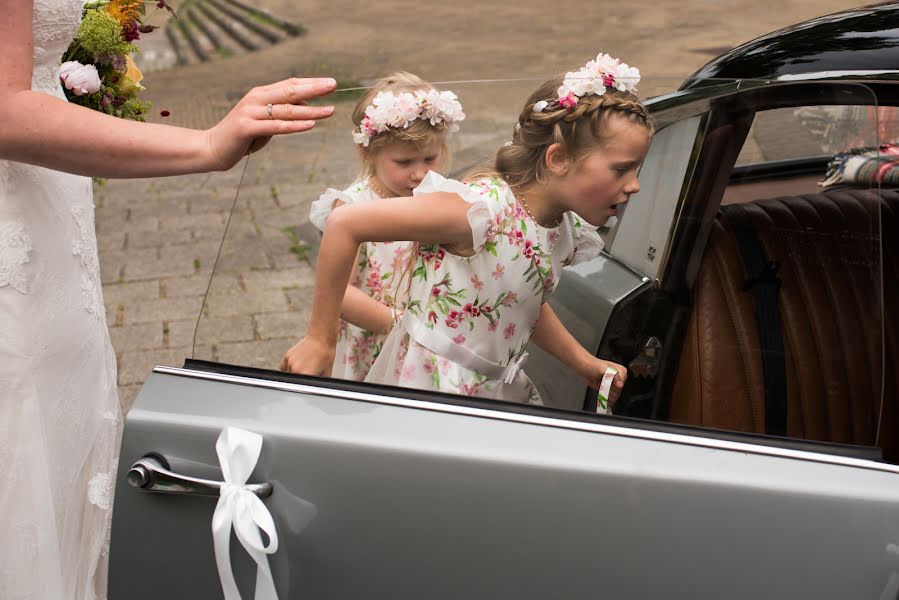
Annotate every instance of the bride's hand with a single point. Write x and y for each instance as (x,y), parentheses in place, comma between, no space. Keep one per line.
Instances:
(309,356)
(251,124)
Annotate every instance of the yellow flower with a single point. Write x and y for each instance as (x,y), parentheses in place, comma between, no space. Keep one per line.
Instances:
(124,11)
(132,72)
(131,79)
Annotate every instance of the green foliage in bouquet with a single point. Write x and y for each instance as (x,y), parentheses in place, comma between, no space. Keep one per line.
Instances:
(98,70)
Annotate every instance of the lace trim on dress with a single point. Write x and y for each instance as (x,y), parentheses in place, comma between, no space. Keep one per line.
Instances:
(91,295)
(107,522)
(53,26)
(15,244)
(99,492)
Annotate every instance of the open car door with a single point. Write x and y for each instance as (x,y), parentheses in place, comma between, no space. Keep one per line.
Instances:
(387,492)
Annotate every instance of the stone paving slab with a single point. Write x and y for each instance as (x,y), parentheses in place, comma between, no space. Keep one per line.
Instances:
(159,238)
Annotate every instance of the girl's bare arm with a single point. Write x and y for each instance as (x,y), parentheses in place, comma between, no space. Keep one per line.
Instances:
(43,130)
(552,336)
(432,218)
(363,311)
(359,308)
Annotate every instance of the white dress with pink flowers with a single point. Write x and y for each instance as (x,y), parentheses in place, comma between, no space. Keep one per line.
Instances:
(469,319)
(382,273)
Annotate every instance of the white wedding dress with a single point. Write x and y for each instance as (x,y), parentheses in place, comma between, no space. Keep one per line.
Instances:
(59,413)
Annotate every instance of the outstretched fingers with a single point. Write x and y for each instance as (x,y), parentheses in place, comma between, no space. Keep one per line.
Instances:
(266,128)
(294,91)
(282,107)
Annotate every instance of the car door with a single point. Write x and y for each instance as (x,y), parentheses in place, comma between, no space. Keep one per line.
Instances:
(379,493)
(386,492)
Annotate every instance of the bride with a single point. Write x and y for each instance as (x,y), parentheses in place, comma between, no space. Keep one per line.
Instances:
(59,415)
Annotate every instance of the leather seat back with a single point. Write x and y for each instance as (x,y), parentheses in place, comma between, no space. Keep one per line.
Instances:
(836,334)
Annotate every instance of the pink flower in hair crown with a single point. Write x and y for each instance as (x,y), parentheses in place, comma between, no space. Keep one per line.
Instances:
(568,101)
(595,77)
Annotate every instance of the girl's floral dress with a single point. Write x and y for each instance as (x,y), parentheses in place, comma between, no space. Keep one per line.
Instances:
(469,319)
(382,272)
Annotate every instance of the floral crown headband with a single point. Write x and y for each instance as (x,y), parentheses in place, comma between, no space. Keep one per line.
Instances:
(401,110)
(593,79)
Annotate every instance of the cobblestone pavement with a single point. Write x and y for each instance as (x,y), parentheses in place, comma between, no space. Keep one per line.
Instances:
(159,238)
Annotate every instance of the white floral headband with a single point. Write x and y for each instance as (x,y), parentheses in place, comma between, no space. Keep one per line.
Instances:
(593,79)
(401,110)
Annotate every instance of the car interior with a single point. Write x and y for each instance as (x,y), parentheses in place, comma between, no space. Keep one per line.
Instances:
(788,328)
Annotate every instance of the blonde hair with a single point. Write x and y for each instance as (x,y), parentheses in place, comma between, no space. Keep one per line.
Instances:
(420,133)
(577,130)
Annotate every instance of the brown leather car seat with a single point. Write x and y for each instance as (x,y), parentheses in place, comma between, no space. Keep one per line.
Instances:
(836,336)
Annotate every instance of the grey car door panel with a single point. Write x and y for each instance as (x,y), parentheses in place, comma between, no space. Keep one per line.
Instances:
(398,496)
(584,299)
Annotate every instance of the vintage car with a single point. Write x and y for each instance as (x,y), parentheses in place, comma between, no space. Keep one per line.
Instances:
(754,452)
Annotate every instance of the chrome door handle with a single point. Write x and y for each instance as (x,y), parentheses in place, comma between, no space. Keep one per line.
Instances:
(151,474)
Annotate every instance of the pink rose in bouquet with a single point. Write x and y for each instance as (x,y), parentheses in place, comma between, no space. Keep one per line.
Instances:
(79,79)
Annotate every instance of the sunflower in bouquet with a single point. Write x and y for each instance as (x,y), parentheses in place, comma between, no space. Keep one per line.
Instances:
(98,70)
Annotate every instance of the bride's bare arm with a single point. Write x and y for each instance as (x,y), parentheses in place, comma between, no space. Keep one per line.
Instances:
(40,129)
(432,218)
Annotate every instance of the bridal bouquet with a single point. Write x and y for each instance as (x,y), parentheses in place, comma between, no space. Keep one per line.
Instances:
(98,70)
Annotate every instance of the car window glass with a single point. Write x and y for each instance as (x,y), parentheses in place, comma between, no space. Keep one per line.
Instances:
(822,130)
(787,326)
(260,294)
(641,233)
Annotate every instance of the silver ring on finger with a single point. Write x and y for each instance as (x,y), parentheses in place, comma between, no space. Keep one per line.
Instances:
(269,107)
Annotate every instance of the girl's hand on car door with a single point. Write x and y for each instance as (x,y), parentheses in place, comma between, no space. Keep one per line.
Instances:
(595,368)
(309,356)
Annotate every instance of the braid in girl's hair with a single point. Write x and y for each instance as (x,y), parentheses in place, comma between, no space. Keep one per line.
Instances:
(577,129)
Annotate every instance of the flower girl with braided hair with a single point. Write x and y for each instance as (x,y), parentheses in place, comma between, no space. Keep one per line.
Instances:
(491,249)
(402,128)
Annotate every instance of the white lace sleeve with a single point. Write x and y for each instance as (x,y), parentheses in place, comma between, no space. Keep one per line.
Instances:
(479,216)
(321,208)
(586,244)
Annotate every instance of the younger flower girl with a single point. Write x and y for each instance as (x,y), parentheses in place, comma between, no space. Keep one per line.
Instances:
(402,127)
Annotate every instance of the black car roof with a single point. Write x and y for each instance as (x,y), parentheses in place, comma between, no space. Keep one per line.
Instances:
(860,40)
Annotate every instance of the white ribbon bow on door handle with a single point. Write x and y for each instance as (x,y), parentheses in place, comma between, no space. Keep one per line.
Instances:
(238,451)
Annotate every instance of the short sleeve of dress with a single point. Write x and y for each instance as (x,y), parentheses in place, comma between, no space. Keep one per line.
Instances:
(585,242)
(480,217)
(321,208)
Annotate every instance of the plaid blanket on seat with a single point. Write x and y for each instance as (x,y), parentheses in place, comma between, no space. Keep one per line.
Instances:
(877,165)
